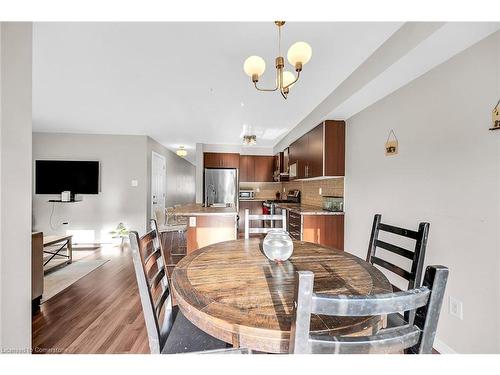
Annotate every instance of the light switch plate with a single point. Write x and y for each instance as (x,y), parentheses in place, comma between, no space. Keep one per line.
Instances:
(456,308)
(134,183)
(320,191)
(192,221)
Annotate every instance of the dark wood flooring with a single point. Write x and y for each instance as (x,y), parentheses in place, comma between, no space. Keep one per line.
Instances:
(100,313)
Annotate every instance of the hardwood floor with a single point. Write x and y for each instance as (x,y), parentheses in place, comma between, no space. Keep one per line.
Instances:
(100,313)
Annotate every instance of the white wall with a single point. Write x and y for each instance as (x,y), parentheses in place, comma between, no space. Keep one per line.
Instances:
(180,176)
(15,190)
(122,159)
(447,173)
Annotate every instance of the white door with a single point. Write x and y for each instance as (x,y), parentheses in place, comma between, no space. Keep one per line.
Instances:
(158,182)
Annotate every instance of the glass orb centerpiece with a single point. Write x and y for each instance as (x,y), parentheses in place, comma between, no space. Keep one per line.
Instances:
(278,245)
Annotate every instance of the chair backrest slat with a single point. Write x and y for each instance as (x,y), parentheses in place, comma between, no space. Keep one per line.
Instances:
(249,218)
(394,340)
(153,285)
(394,249)
(416,337)
(391,267)
(376,304)
(399,231)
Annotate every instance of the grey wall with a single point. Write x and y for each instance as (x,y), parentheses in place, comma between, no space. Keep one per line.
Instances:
(181,183)
(447,172)
(122,159)
(15,187)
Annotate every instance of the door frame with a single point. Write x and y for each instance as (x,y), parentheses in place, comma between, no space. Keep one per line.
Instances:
(153,155)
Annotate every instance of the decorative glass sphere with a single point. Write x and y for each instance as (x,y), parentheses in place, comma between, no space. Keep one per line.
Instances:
(299,52)
(278,245)
(254,65)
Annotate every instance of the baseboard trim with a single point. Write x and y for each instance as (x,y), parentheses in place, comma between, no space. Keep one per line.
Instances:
(442,348)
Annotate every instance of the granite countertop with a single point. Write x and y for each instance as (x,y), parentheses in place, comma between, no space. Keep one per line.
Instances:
(254,200)
(199,210)
(305,209)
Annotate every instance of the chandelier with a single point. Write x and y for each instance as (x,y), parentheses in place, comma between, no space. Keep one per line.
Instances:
(298,55)
(249,140)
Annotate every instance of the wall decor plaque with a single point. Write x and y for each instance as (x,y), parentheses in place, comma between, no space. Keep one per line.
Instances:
(391,145)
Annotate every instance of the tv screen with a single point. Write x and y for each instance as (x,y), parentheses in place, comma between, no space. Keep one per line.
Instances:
(56,176)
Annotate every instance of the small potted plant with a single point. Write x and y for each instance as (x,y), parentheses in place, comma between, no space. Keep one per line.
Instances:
(121,231)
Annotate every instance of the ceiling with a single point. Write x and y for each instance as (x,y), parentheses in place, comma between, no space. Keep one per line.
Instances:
(183,83)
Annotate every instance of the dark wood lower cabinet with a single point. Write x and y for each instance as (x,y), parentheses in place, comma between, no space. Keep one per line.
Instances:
(326,230)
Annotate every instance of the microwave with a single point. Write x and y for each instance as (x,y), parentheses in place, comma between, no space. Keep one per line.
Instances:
(247,194)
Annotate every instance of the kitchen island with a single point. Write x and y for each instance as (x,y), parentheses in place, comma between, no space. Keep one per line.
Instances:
(207,225)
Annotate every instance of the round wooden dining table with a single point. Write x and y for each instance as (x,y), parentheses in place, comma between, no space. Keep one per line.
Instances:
(233,292)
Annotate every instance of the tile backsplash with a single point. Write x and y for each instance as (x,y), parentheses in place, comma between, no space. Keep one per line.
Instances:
(263,190)
(309,189)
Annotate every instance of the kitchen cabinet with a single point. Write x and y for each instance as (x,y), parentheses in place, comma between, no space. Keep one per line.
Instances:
(264,168)
(320,152)
(221,160)
(247,168)
(280,170)
(256,168)
(325,230)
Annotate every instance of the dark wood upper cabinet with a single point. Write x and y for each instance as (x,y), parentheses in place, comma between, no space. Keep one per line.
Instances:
(221,160)
(264,168)
(256,168)
(314,157)
(247,168)
(334,148)
(320,152)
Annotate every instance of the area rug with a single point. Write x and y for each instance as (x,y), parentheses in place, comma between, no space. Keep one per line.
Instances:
(62,278)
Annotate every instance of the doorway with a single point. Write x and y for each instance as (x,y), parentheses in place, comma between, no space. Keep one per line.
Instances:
(158,182)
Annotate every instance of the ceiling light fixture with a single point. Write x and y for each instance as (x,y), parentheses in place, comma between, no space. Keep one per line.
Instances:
(249,140)
(298,55)
(181,152)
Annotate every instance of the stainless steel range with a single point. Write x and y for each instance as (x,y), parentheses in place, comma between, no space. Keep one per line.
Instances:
(270,206)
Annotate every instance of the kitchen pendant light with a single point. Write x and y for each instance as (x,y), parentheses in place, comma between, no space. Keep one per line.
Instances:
(298,55)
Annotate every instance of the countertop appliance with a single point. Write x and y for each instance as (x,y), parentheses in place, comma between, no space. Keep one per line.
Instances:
(247,194)
(221,187)
(332,203)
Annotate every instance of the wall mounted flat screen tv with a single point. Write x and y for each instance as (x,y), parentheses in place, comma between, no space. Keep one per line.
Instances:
(56,176)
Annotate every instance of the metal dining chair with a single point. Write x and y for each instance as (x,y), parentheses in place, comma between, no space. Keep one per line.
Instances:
(414,275)
(415,338)
(249,218)
(168,329)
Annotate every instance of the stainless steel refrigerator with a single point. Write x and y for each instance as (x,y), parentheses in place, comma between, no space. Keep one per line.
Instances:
(221,187)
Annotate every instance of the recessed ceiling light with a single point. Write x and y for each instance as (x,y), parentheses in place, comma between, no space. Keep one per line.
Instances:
(242,104)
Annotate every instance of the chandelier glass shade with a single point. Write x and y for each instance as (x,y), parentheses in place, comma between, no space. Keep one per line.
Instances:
(298,55)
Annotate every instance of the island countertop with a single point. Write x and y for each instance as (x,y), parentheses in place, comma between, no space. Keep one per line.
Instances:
(198,210)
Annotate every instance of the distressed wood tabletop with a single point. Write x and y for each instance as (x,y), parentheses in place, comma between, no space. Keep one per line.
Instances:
(233,292)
